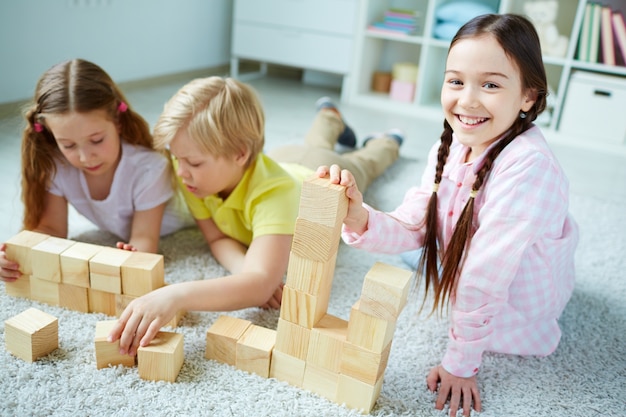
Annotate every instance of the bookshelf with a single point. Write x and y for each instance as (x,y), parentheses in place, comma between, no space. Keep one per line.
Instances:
(376,51)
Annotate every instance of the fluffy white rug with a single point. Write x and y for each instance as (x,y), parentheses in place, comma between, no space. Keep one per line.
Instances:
(586,376)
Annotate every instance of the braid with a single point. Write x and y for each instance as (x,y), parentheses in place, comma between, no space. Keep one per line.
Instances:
(429,257)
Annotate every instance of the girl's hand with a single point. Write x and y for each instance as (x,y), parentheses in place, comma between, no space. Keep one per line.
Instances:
(276,298)
(456,388)
(142,319)
(9,270)
(125,246)
(357,216)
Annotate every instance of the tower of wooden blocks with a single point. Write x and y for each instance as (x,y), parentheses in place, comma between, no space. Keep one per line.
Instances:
(31,334)
(341,360)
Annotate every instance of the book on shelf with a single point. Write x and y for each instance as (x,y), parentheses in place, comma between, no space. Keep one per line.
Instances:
(606,36)
(594,32)
(619,29)
(397,21)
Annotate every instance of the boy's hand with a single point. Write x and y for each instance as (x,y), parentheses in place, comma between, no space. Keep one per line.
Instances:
(9,270)
(276,299)
(455,388)
(142,319)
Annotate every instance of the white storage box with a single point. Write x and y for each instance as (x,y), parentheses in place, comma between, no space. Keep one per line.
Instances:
(595,108)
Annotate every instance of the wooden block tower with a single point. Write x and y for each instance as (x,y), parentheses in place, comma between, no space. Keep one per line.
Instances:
(343,361)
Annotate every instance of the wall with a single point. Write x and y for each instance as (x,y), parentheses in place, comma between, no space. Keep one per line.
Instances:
(130,39)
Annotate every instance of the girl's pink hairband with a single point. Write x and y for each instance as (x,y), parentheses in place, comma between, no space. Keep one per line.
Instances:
(122,107)
(38,127)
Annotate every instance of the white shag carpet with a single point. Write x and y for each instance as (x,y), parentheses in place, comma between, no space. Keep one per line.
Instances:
(586,376)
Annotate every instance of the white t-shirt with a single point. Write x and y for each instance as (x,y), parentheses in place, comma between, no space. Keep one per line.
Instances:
(141,182)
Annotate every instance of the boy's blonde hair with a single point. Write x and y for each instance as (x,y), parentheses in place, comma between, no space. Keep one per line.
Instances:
(222,116)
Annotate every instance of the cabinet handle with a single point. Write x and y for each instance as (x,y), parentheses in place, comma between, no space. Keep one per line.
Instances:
(602,93)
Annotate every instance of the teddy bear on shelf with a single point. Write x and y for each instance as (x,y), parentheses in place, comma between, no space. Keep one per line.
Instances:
(543,14)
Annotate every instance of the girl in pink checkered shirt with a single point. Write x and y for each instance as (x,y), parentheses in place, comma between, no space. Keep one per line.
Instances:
(491,214)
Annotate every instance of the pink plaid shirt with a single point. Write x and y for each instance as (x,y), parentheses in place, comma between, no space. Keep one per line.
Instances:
(519,270)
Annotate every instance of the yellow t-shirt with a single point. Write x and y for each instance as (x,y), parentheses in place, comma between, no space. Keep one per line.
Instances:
(265,202)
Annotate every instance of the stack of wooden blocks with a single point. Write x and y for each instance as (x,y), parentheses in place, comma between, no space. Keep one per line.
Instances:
(81,276)
(343,361)
(88,278)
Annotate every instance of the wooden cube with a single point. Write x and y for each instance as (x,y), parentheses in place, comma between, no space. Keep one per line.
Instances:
(292,339)
(105,269)
(301,308)
(285,367)
(75,263)
(19,288)
(46,258)
(101,302)
(309,276)
(254,350)
(18,249)
(141,273)
(108,353)
(369,332)
(44,291)
(357,394)
(222,337)
(322,202)
(73,297)
(326,343)
(31,334)
(315,241)
(385,291)
(162,359)
(362,364)
(320,381)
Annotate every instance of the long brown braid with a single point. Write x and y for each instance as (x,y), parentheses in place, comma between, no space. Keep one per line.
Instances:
(70,86)
(519,40)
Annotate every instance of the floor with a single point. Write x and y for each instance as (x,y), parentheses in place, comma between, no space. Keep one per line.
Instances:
(290,106)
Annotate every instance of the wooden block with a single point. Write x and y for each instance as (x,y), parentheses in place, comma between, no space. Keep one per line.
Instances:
(73,297)
(322,202)
(75,263)
(101,302)
(358,394)
(105,269)
(292,339)
(385,291)
(369,332)
(362,364)
(18,248)
(321,381)
(31,334)
(162,359)
(285,367)
(315,241)
(44,291)
(141,273)
(18,288)
(326,343)
(309,276)
(108,353)
(46,258)
(254,350)
(222,337)
(302,308)
(122,301)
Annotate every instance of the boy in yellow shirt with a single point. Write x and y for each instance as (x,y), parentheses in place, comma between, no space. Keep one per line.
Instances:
(244,202)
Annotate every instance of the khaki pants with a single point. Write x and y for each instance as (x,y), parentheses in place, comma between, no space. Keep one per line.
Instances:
(366,163)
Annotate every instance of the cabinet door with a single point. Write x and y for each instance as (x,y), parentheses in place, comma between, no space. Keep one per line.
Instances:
(332,16)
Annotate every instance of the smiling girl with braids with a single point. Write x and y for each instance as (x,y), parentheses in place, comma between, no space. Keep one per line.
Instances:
(83,145)
(491,214)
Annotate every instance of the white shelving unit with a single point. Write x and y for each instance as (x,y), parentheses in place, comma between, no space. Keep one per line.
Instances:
(378,52)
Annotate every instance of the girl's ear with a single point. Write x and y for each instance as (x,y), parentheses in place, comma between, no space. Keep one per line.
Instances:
(529,100)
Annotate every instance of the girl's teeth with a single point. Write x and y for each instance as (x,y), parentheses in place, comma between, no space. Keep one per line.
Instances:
(470,121)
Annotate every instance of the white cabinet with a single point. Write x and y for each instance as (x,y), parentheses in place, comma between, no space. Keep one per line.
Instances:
(309,34)
(377,51)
